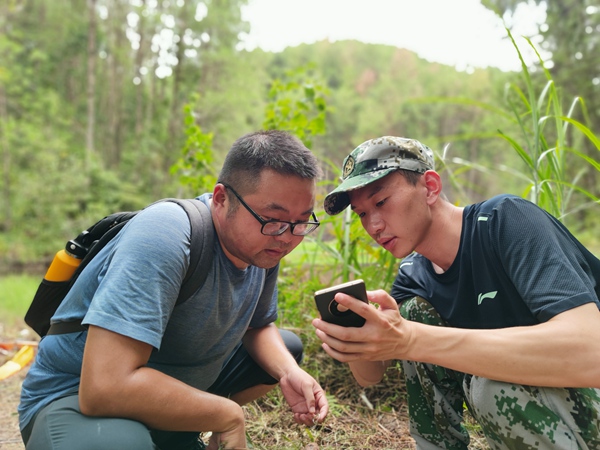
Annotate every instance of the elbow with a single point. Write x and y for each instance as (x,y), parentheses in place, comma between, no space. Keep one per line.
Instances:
(363,382)
(366,380)
(368,373)
(89,406)
(95,400)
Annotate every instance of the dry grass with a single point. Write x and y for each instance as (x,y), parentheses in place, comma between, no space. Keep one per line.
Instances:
(358,417)
(370,418)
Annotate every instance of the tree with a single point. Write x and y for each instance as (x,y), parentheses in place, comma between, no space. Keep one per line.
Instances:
(91,79)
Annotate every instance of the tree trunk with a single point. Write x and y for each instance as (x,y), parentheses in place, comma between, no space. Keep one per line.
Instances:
(6,162)
(91,82)
(139,61)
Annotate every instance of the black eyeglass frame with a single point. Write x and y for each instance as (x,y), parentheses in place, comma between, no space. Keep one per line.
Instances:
(290,225)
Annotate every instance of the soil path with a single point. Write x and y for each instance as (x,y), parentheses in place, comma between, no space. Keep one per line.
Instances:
(10,388)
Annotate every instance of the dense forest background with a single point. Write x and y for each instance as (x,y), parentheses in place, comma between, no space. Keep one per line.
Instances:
(107,105)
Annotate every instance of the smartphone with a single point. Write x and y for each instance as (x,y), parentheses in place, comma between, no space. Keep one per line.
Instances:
(328,307)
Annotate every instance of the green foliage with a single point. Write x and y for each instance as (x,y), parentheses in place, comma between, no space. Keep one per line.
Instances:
(17,293)
(570,48)
(52,185)
(297,103)
(195,166)
(548,144)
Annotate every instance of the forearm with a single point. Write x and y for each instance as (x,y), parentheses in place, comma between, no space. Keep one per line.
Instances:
(267,348)
(303,394)
(123,386)
(160,401)
(562,352)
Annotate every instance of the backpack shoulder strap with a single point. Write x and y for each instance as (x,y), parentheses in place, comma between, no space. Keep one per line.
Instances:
(201,246)
(201,251)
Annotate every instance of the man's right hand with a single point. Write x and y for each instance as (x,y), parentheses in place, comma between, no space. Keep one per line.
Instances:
(385,336)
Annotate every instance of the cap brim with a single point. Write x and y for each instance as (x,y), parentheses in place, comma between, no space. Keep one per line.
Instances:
(338,199)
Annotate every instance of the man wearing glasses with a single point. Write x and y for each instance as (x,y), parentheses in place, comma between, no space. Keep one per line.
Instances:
(149,375)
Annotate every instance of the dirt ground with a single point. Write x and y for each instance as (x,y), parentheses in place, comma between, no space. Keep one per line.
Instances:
(10,438)
(10,388)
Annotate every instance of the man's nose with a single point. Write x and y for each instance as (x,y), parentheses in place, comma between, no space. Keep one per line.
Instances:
(374,225)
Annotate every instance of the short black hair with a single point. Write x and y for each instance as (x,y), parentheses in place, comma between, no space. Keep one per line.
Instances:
(276,150)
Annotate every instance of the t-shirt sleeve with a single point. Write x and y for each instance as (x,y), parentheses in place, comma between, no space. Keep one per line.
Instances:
(410,281)
(141,277)
(541,258)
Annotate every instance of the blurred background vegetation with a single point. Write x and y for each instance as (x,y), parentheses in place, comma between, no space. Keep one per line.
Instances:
(115,106)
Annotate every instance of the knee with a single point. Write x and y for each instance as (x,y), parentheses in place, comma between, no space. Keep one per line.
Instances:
(293,344)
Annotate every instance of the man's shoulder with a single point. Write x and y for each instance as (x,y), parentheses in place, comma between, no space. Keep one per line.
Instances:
(494,203)
(501,206)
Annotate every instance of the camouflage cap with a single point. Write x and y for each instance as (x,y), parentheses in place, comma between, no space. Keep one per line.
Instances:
(373,160)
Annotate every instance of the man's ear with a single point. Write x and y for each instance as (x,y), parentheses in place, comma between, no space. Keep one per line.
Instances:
(433,182)
(219,195)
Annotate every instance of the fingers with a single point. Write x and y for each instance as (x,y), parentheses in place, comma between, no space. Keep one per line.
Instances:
(312,419)
(305,396)
(309,396)
(339,342)
(376,340)
(386,313)
(321,411)
(342,356)
(322,405)
(383,299)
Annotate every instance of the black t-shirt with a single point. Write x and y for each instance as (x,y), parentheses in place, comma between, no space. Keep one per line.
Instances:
(516,265)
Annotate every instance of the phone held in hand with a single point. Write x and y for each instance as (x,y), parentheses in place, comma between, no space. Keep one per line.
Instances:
(328,307)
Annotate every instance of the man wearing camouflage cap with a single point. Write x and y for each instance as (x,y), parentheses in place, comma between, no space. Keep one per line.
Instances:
(499,308)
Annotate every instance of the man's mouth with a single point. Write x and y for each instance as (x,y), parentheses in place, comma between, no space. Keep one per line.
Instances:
(276,252)
(386,242)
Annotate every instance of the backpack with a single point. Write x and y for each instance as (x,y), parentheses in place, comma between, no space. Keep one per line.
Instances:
(50,294)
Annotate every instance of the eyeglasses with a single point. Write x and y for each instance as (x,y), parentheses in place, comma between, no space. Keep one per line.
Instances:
(278,227)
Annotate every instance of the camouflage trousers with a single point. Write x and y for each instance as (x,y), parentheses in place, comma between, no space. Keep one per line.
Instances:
(511,416)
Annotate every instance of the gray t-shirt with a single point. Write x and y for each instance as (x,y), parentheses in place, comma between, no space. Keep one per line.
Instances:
(131,287)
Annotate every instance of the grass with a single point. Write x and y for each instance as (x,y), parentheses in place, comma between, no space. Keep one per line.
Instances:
(17,293)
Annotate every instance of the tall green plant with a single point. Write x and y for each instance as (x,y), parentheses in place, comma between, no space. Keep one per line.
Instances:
(545,138)
(548,142)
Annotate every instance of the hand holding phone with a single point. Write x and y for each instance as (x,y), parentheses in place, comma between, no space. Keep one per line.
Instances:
(328,307)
